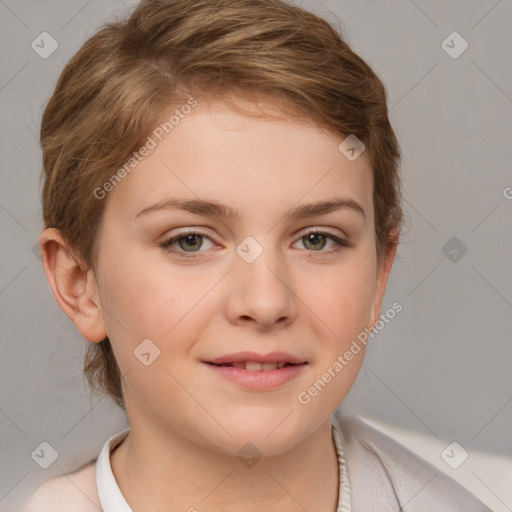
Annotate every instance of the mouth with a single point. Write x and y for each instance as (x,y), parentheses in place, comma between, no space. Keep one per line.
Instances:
(255,366)
(254,362)
(258,372)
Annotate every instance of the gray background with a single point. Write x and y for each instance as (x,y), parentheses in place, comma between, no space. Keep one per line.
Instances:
(441,367)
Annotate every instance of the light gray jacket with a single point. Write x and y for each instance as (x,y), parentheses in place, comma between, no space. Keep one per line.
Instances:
(386,477)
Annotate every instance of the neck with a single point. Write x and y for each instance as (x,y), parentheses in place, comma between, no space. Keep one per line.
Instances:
(166,470)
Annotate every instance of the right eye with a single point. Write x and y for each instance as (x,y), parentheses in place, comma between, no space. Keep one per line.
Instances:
(187,240)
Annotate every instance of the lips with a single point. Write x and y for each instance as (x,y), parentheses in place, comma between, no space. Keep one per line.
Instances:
(254,362)
(258,372)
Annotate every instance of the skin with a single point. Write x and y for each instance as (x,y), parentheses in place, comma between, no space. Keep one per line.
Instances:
(187,423)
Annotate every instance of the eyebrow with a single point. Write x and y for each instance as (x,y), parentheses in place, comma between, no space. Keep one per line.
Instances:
(216,209)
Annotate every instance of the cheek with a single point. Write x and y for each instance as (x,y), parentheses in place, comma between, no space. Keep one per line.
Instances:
(150,325)
(145,302)
(343,305)
(148,298)
(343,297)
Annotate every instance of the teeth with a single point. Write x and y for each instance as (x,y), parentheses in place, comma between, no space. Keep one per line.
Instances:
(253,366)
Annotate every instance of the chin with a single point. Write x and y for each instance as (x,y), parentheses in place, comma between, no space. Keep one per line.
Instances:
(272,433)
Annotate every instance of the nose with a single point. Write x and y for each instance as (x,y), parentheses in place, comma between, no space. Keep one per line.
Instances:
(261,291)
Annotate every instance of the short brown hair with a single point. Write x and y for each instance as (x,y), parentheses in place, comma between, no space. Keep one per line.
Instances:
(112,93)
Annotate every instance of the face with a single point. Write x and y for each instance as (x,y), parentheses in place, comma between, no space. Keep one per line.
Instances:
(181,288)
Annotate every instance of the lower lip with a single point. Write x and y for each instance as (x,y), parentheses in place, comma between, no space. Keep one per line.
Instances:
(261,379)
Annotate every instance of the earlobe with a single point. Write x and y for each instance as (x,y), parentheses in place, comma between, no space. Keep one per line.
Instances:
(74,288)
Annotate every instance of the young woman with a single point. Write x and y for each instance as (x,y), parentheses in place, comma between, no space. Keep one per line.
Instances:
(222,209)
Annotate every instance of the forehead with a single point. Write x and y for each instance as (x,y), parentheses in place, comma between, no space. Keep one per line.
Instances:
(264,159)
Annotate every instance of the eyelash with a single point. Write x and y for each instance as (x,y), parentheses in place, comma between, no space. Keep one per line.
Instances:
(165,244)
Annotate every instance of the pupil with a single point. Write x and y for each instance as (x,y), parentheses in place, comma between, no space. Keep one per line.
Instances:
(314,238)
(189,240)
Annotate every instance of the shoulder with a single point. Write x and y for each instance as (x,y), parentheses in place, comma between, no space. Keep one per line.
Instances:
(74,492)
(384,472)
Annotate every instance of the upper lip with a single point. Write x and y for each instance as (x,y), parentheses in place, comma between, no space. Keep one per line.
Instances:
(272,357)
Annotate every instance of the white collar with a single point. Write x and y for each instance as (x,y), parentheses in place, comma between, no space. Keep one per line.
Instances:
(110,496)
(112,500)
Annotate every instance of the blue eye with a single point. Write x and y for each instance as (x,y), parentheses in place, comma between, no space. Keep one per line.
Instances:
(193,240)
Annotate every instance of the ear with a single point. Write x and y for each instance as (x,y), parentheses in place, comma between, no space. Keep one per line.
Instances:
(383,271)
(74,287)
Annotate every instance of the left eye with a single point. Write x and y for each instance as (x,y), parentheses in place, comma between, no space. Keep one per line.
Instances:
(313,238)
(190,243)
